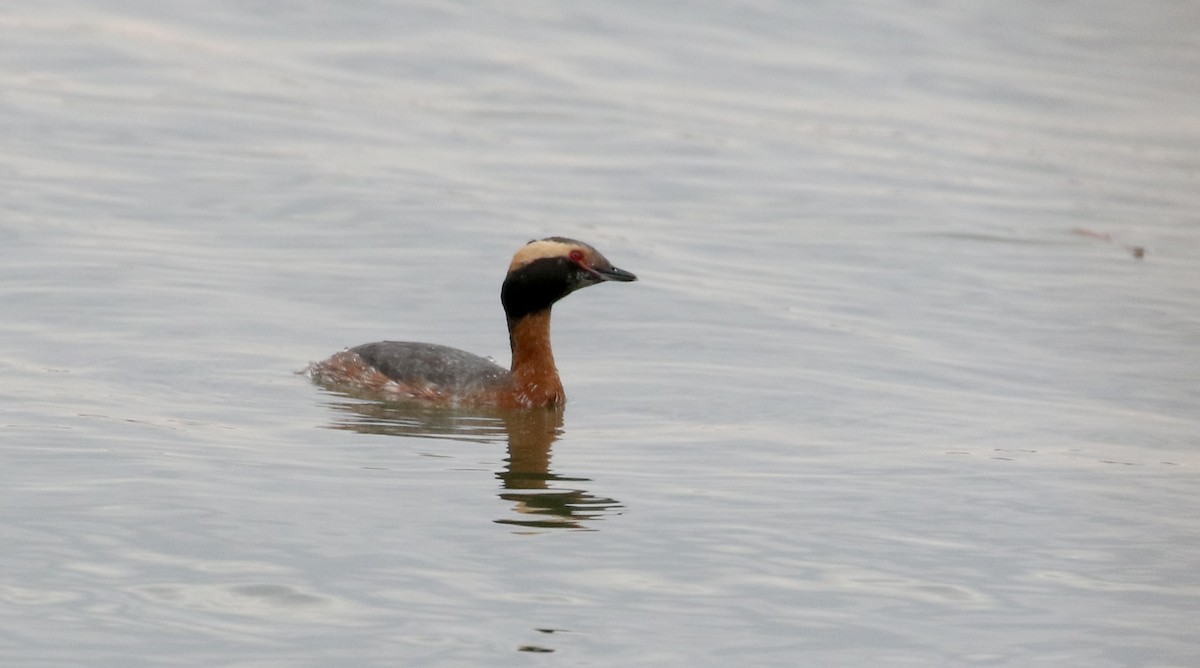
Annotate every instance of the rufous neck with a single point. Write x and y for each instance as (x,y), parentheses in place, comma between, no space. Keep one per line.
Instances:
(532,357)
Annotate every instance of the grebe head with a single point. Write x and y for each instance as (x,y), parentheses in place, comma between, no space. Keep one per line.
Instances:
(546,270)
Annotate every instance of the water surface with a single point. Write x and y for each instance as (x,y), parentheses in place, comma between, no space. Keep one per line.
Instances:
(895,386)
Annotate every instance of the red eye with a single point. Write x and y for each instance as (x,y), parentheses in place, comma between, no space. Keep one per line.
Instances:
(577,255)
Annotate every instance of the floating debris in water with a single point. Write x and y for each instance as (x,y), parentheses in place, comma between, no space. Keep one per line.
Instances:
(1138,252)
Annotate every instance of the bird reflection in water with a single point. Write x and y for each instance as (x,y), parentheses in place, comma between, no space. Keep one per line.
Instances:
(541,498)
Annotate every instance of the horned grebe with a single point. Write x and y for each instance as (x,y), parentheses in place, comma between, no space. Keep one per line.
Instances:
(541,273)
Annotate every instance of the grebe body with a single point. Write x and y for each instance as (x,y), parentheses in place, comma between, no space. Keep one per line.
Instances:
(541,273)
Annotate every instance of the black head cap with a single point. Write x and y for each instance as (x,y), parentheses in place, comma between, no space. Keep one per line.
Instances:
(546,270)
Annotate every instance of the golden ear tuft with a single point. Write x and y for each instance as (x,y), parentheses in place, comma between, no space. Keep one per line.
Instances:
(538,249)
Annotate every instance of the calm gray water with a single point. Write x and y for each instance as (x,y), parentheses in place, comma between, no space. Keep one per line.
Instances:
(895,387)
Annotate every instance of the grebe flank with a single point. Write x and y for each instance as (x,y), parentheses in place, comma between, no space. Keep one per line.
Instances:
(541,273)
